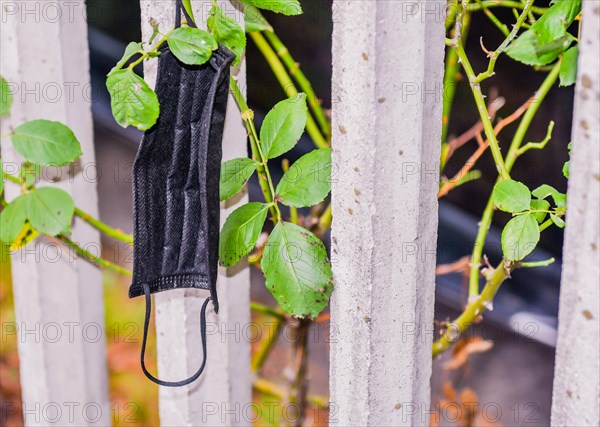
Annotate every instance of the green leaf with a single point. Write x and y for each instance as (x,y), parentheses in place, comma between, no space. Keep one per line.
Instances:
(558,221)
(1,178)
(539,205)
(50,210)
(192,46)
(297,270)
(12,219)
(241,231)
(511,196)
(227,32)
(545,190)
(553,24)
(520,237)
(5,97)
(308,181)
(254,20)
(283,126)
(132,100)
(26,236)
(568,67)
(527,50)
(565,169)
(285,7)
(132,49)
(234,174)
(46,143)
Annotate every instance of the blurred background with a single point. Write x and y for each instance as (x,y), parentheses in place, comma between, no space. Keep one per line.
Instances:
(514,376)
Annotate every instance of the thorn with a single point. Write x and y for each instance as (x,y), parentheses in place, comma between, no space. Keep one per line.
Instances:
(487,52)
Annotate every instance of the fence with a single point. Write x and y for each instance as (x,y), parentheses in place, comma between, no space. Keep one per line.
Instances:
(375,367)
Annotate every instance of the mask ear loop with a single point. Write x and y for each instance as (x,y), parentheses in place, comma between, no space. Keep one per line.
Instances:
(181,9)
(202,335)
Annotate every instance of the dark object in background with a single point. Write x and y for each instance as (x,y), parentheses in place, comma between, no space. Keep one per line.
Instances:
(176,187)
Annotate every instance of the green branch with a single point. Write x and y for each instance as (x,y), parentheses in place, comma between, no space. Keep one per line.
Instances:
(474,309)
(264,176)
(488,213)
(104,228)
(287,84)
(88,256)
(495,54)
(294,69)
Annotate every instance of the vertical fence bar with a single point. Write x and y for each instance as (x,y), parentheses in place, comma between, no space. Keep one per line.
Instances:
(576,396)
(388,71)
(58,300)
(222,395)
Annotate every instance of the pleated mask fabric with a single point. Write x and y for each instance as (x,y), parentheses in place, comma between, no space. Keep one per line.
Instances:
(176,186)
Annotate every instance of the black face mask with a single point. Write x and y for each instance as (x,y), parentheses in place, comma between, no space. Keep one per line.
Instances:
(176,186)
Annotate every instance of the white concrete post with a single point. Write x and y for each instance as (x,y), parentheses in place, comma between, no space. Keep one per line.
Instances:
(387,111)
(58,300)
(222,395)
(576,397)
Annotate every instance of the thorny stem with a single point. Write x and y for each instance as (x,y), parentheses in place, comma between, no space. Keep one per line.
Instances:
(474,309)
(264,386)
(305,85)
(482,110)
(300,365)
(287,84)
(511,157)
(88,256)
(106,229)
(495,54)
(265,345)
(264,177)
(504,3)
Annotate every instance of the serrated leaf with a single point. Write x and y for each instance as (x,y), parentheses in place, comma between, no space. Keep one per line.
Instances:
(132,100)
(192,46)
(50,210)
(254,20)
(568,67)
(511,196)
(527,50)
(131,49)
(308,181)
(283,126)
(234,174)
(545,190)
(12,219)
(227,32)
(241,231)
(5,97)
(520,237)
(553,24)
(297,270)
(558,221)
(539,205)
(46,143)
(285,7)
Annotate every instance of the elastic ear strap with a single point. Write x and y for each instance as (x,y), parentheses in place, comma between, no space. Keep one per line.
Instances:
(202,335)
(181,9)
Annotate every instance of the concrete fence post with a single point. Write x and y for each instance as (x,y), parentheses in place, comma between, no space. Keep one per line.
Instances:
(58,299)
(222,395)
(387,111)
(576,397)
